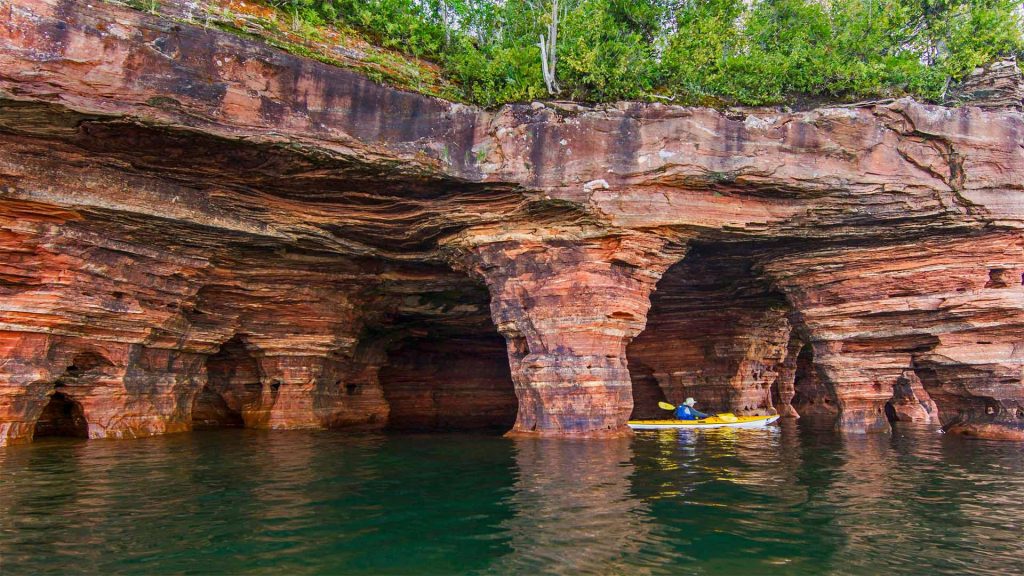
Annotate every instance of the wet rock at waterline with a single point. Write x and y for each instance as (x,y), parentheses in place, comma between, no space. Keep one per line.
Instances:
(199,230)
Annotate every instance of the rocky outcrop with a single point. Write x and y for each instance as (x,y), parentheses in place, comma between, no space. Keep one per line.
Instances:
(199,230)
(999,85)
(886,321)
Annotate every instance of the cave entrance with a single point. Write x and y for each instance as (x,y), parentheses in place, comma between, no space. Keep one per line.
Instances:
(211,410)
(716,331)
(446,366)
(62,417)
(812,399)
(441,381)
(890,413)
(232,386)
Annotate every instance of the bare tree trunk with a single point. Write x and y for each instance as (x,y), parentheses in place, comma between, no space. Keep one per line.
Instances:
(548,47)
(444,22)
(552,52)
(549,79)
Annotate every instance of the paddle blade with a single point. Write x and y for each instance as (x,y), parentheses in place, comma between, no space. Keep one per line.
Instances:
(727,417)
(666,406)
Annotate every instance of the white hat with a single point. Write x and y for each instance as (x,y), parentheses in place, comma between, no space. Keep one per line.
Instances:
(690,401)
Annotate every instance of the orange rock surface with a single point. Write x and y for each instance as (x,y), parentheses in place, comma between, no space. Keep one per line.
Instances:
(199,230)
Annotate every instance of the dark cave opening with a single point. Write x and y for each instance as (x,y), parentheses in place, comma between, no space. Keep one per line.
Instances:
(443,366)
(812,397)
(210,410)
(445,381)
(232,384)
(647,393)
(62,417)
(890,413)
(84,362)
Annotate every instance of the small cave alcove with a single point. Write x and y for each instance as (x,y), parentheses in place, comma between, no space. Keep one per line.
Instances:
(62,417)
(232,384)
(813,399)
(86,362)
(716,331)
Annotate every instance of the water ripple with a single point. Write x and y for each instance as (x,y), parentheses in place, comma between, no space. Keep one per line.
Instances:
(787,501)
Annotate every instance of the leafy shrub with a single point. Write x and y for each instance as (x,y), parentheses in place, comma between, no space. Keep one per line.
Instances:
(691,51)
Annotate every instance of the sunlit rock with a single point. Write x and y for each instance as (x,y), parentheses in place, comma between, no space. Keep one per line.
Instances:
(198,230)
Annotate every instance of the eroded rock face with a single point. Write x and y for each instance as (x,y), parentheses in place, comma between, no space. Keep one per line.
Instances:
(198,230)
(999,85)
(567,310)
(915,321)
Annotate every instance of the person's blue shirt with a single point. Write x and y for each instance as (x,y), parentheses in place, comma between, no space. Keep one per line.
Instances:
(685,412)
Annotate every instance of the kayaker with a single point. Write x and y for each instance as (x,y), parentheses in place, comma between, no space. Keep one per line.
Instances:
(686,411)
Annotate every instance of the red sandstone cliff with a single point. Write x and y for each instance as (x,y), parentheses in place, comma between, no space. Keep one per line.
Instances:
(197,230)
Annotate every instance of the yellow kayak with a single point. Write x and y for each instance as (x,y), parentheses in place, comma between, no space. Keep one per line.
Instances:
(716,421)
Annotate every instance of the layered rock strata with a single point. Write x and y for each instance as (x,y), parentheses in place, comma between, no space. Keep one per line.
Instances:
(999,85)
(567,309)
(199,230)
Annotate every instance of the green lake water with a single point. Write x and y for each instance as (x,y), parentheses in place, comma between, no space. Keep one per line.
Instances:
(776,501)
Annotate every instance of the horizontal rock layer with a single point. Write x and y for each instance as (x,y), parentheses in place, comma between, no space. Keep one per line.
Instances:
(198,230)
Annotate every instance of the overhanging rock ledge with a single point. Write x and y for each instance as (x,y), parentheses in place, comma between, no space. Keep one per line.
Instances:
(197,229)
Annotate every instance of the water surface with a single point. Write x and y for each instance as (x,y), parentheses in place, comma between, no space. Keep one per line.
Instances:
(778,501)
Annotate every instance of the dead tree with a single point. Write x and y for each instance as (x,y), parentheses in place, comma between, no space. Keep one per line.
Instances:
(548,51)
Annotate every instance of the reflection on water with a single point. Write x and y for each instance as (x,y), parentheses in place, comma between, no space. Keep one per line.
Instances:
(779,501)
(574,511)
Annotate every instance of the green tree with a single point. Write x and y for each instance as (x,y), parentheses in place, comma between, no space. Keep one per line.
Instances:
(691,51)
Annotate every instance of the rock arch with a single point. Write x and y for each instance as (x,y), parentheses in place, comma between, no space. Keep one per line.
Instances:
(813,396)
(716,331)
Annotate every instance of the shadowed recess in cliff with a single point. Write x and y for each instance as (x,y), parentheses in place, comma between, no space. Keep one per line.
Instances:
(63,417)
(450,382)
(716,332)
(812,396)
(446,366)
(233,392)
(967,400)
(325,199)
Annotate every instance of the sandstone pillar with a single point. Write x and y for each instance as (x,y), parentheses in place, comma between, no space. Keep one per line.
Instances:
(567,309)
(784,388)
(910,402)
(861,381)
(23,386)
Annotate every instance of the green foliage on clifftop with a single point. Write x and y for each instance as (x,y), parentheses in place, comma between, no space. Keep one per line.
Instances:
(709,52)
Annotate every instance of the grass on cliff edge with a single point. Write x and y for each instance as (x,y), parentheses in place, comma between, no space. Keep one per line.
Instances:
(335,44)
(698,52)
